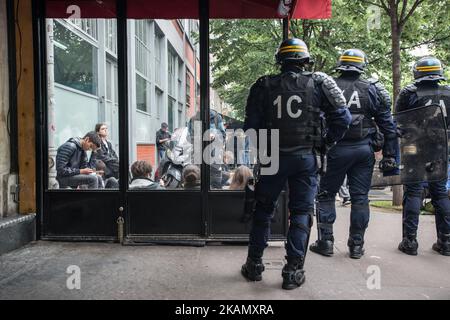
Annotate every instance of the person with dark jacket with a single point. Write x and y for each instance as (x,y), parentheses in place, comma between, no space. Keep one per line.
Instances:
(162,136)
(426,90)
(73,168)
(291,102)
(353,156)
(142,171)
(106,152)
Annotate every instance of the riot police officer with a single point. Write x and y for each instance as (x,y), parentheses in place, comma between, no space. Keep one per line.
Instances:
(425,90)
(291,102)
(370,106)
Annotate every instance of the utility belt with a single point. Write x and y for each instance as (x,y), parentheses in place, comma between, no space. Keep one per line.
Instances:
(360,128)
(292,151)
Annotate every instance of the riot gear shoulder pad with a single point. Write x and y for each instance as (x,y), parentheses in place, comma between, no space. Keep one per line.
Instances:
(319,77)
(262,81)
(411,88)
(382,92)
(372,80)
(330,89)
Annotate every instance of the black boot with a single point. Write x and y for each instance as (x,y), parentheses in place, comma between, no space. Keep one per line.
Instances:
(293,273)
(356,248)
(323,247)
(442,244)
(252,269)
(409,245)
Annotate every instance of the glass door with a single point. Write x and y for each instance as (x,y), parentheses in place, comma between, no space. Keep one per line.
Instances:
(81,196)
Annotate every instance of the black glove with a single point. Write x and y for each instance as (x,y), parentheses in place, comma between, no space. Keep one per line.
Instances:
(388,164)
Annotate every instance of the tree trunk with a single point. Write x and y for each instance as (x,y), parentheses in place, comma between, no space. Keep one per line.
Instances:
(396,32)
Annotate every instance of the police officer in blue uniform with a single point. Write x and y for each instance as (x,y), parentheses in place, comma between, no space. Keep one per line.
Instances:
(425,90)
(370,106)
(291,102)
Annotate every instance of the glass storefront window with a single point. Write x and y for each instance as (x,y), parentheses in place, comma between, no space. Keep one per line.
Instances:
(82,104)
(75,59)
(161,142)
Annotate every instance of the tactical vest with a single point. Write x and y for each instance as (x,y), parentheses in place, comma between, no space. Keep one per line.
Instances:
(290,110)
(439,95)
(356,93)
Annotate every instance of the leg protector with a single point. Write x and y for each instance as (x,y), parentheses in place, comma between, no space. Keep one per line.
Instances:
(299,232)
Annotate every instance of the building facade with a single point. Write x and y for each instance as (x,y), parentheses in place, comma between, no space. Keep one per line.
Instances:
(163,79)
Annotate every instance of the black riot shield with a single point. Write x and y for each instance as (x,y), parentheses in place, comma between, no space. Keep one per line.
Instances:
(423,148)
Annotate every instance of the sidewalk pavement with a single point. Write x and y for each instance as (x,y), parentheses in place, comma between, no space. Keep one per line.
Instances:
(380,194)
(112,271)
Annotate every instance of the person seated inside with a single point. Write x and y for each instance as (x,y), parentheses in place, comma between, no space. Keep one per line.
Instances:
(106,153)
(108,183)
(100,171)
(74,169)
(240,178)
(220,173)
(142,171)
(191,177)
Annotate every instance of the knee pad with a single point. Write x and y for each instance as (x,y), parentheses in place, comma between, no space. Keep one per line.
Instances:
(309,213)
(413,193)
(325,196)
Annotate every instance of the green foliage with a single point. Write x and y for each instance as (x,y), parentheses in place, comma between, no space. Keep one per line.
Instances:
(243,50)
(385,204)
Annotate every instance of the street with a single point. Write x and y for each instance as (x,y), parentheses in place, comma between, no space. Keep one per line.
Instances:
(112,271)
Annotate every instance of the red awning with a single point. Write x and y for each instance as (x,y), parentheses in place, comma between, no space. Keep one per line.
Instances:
(188,9)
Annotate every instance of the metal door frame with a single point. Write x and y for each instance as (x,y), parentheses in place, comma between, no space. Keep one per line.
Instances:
(119,199)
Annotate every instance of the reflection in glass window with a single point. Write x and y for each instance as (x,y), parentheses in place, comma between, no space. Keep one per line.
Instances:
(82,104)
(188,90)
(170,110)
(159,102)
(142,49)
(158,69)
(88,26)
(180,116)
(111,36)
(108,83)
(75,60)
(158,56)
(141,93)
(172,60)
